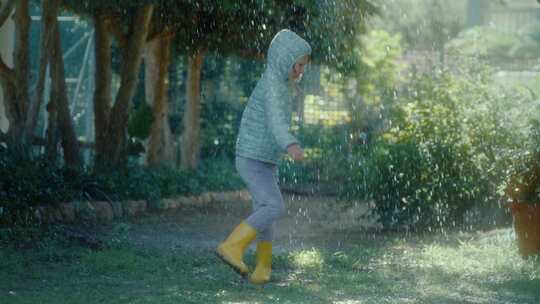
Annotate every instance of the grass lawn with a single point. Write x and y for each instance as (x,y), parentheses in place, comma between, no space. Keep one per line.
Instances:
(459,268)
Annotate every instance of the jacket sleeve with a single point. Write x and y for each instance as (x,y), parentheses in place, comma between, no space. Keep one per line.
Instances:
(277,109)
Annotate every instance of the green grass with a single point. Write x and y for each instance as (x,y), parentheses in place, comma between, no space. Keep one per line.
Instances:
(480,268)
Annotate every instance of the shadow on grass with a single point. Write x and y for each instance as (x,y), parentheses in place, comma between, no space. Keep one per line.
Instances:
(389,269)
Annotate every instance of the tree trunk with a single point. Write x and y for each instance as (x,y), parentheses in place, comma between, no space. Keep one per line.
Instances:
(51,151)
(22,66)
(70,145)
(157,64)
(7,38)
(115,146)
(192,114)
(50,13)
(102,93)
(15,80)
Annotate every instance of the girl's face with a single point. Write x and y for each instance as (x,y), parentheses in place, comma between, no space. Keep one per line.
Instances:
(298,68)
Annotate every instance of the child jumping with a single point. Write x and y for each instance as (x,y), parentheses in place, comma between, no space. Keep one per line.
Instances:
(262,140)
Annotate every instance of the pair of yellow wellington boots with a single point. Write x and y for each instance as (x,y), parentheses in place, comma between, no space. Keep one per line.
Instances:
(231,251)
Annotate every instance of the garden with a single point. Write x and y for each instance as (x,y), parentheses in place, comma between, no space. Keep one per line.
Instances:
(419,121)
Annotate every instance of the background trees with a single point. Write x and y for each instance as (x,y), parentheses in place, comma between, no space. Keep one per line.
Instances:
(387,88)
(194,29)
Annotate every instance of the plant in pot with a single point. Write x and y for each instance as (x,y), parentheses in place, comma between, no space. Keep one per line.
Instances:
(523,189)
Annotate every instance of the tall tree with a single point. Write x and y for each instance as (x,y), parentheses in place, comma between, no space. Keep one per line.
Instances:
(131,45)
(68,137)
(244,28)
(7,37)
(22,111)
(129,23)
(192,113)
(103,78)
(48,22)
(15,81)
(157,60)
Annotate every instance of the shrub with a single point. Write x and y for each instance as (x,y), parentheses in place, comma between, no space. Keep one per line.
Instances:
(327,150)
(419,185)
(219,174)
(28,182)
(449,143)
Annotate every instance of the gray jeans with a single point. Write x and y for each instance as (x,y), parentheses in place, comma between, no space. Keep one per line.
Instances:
(262,182)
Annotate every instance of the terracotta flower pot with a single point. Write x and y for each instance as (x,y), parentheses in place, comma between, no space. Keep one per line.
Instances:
(527,227)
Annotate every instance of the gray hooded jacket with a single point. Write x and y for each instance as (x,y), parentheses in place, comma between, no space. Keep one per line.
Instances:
(264,130)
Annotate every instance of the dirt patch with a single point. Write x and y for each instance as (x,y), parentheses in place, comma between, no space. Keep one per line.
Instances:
(310,222)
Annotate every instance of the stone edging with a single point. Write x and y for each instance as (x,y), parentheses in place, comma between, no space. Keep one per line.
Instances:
(107,211)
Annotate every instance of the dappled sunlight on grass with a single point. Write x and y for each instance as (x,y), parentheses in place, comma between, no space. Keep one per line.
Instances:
(394,268)
(308,259)
(492,257)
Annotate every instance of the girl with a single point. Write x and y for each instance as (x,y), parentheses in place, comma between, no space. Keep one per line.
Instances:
(263,138)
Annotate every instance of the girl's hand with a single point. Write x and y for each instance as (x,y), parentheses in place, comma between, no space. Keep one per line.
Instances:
(295,152)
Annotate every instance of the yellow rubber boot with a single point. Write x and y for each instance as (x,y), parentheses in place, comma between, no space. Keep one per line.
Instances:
(231,251)
(263,270)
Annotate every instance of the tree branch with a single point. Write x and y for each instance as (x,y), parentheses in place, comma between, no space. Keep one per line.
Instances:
(131,59)
(68,137)
(50,12)
(6,11)
(22,57)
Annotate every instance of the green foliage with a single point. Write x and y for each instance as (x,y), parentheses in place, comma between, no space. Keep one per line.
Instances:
(331,151)
(422,184)
(379,53)
(229,85)
(27,182)
(422,24)
(140,122)
(495,45)
(219,174)
(524,183)
(450,143)
(333,27)
(219,127)
(204,24)
(327,149)
(36,182)
(376,78)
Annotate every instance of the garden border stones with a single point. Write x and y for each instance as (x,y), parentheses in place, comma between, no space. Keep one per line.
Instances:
(106,211)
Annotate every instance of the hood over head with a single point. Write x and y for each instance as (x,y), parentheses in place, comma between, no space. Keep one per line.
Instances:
(285,49)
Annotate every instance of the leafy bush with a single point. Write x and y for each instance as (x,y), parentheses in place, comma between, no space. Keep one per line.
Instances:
(524,182)
(326,150)
(28,182)
(219,174)
(449,143)
(140,122)
(422,184)
(219,126)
